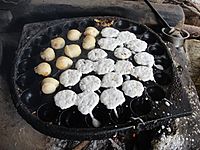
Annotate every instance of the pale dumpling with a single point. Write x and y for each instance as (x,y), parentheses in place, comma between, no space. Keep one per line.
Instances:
(91,31)
(89,42)
(57,43)
(49,85)
(73,35)
(63,63)
(48,54)
(72,50)
(43,69)
(50,80)
(48,88)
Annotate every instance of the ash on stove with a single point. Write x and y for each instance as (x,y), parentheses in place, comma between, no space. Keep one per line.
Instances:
(121,141)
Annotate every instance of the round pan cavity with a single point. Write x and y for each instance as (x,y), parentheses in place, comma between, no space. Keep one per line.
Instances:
(48,112)
(31,98)
(156,49)
(162,78)
(101,113)
(140,107)
(149,37)
(67,121)
(156,93)
(137,29)
(72,118)
(54,31)
(122,24)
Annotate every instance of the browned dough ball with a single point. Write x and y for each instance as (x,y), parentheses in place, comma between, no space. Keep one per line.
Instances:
(58,43)
(48,88)
(89,42)
(91,31)
(73,35)
(48,54)
(72,50)
(43,69)
(49,85)
(50,80)
(63,63)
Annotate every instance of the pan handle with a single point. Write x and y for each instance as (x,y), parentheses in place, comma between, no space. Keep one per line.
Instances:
(158,15)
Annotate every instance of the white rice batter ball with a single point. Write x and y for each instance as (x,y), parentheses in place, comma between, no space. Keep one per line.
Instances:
(133,88)
(65,99)
(144,58)
(108,43)
(97,54)
(109,32)
(143,73)
(137,45)
(85,66)
(126,36)
(87,101)
(122,53)
(112,79)
(104,66)
(112,98)
(70,77)
(90,83)
(123,67)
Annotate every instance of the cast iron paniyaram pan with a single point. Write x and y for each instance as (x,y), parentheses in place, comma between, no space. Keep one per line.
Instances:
(162,100)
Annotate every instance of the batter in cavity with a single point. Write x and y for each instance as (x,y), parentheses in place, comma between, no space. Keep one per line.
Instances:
(90,83)
(132,88)
(104,66)
(126,36)
(112,98)
(143,73)
(112,79)
(86,102)
(65,99)
(97,54)
(136,45)
(109,43)
(122,53)
(109,32)
(84,66)
(123,67)
(144,59)
(70,77)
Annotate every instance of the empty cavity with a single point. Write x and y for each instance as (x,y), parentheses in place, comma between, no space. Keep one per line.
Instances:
(122,24)
(156,93)
(162,78)
(149,37)
(47,112)
(156,49)
(137,29)
(54,31)
(140,106)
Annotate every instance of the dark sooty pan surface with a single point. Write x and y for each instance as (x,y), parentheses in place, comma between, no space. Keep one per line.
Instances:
(162,100)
